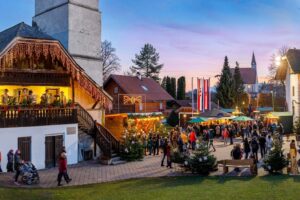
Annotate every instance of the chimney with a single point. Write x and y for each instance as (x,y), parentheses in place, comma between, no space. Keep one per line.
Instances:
(138,75)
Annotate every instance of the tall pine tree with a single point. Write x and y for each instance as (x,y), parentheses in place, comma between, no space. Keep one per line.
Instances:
(146,62)
(181,88)
(164,83)
(173,87)
(225,87)
(168,85)
(238,86)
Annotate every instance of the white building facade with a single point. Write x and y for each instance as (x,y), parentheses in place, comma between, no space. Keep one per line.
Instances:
(40,143)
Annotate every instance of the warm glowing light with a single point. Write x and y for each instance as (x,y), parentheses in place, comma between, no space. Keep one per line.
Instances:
(184,115)
(278,58)
(277,63)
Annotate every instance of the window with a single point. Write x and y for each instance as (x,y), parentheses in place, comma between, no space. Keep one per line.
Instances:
(293,91)
(144,88)
(116,90)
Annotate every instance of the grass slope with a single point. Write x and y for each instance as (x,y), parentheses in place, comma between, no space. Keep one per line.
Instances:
(270,187)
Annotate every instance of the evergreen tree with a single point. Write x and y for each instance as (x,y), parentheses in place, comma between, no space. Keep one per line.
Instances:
(225,87)
(164,83)
(238,85)
(147,63)
(173,119)
(202,161)
(181,88)
(168,85)
(275,160)
(173,87)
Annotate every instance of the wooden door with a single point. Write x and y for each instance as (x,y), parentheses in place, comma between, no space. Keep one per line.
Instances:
(24,145)
(53,146)
(59,141)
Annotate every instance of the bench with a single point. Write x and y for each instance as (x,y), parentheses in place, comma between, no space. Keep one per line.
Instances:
(248,163)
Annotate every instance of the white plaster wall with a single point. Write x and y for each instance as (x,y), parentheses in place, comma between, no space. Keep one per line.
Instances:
(291,81)
(9,140)
(288,91)
(93,68)
(84,31)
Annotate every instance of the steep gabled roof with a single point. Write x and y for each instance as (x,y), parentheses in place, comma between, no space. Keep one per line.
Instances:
(248,75)
(21,30)
(293,56)
(292,60)
(147,86)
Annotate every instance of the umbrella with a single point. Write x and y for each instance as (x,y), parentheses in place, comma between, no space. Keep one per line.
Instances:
(242,118)
(197,120)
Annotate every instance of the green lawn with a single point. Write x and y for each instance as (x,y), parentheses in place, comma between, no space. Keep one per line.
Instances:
(270,187)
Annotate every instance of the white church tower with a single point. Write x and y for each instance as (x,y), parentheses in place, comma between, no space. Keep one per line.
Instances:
(77,25)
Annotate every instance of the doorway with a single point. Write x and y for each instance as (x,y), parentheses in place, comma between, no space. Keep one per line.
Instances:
(53,145)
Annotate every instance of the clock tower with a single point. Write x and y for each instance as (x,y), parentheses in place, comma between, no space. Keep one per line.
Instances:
(77,25)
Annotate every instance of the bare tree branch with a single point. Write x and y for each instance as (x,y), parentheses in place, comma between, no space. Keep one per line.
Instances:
(109,59)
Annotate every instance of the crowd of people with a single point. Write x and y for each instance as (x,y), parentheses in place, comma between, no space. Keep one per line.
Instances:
(256,139)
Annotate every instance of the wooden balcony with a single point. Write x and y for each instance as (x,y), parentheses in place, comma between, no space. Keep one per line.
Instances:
(36,116)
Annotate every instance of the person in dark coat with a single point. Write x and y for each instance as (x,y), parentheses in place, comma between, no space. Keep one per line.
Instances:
(18,163)
(262,145)
(236,154)
(10,161)
(246,148)
(254,148)
(164,148)
(156,144)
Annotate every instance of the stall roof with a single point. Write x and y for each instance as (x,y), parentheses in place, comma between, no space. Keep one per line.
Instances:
(281,114)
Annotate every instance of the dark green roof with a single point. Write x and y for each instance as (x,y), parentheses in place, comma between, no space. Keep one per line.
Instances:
(21,30)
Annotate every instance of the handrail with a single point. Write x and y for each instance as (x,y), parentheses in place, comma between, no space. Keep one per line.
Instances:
(114,141)
(103,137)
(37,117)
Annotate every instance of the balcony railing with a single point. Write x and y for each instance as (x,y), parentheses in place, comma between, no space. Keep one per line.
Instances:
(36,116)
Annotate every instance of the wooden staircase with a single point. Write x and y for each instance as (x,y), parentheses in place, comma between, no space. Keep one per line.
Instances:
(109,145)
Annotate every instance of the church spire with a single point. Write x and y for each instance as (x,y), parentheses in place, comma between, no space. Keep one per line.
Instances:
(253,62)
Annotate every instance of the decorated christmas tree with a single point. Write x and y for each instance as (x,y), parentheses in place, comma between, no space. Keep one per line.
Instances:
(132,149)
(275,160)
(201,161)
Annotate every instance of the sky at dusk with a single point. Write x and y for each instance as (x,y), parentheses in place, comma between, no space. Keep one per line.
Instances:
(192,36)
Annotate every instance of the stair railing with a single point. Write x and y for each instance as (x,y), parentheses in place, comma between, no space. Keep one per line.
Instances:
(102,140)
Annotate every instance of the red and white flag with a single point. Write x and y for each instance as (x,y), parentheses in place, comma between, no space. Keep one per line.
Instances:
(199,95)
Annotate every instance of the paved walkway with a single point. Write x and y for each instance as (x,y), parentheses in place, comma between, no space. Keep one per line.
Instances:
(92,172)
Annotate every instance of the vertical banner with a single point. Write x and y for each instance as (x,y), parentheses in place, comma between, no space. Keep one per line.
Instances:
(209,95)
(206,97)
(199,95)
(192,96)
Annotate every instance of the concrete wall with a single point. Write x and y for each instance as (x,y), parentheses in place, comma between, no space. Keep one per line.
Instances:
(9,140)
